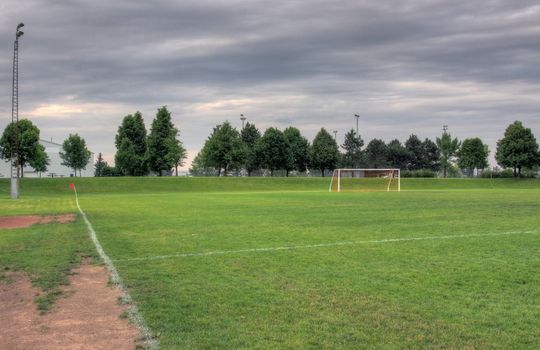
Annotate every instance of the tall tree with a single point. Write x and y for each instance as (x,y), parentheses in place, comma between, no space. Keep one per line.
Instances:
(299,150)
(324,152)
(415,148)
(518,148)
(473,154)
(273,151)
(131,156)
(250,135)
(430,158)
(41,161)
(100,166)
(126,158)
(29,150)
(353,157)
(448,148)
(75,154)
(160,141)
(177,154)
(376,154)
(224,149)
(397,155)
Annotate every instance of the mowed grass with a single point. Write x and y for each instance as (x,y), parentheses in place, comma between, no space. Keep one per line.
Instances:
(465,292)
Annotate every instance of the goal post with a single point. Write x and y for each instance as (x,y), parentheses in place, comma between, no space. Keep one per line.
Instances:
(359,180)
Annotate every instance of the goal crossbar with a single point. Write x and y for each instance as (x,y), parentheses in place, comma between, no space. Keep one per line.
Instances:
(348,179)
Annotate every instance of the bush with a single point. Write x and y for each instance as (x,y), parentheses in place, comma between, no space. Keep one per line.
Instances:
(110,171)
(506,173)
(497,174)
(530,172)
(418,173)
(453,171)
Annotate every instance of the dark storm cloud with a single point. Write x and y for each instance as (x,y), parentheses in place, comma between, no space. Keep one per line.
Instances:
(406,66)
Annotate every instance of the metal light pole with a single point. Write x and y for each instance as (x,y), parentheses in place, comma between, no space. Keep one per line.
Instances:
(357,117)
(335,135)
(243,119)
(15,115)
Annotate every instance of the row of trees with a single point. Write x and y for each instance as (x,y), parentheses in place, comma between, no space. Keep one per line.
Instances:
(415,154)
(22,138)
(138,154)
(227,149)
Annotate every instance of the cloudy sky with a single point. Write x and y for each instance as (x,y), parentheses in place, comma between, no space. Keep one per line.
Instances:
(404,66)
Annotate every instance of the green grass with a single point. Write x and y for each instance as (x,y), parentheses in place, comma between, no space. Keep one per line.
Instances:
(470,292)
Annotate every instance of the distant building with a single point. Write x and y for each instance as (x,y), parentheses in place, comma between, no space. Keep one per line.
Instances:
(55,167)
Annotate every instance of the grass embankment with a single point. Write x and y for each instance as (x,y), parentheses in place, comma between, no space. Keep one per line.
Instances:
(37,188)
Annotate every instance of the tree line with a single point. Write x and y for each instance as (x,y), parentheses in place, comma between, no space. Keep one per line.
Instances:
(139,153)
(248,151)
(228,151)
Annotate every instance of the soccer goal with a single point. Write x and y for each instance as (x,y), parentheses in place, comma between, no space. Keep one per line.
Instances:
(349,180)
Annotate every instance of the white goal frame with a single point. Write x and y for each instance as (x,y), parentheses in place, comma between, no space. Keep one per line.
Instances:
(396,174)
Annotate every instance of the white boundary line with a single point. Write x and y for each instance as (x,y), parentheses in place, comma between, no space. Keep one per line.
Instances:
(133,312)
(321,245)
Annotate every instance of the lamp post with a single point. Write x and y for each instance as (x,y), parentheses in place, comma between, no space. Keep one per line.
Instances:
(357,117)
(335,135)
(15,115)
(243,119)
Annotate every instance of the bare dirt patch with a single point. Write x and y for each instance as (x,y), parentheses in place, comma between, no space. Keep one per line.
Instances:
(7,222)
(86,317)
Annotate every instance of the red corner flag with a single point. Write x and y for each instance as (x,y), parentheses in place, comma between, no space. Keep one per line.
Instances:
(72,185)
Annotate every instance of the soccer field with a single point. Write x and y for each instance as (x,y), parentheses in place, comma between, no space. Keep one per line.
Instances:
(281,263)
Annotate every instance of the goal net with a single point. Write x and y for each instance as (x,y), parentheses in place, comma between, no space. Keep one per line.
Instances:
(350,180)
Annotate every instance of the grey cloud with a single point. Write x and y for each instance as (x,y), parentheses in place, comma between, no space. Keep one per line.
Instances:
(310,64)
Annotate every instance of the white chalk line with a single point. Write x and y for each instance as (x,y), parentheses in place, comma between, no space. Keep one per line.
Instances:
(133,312)
(322,245)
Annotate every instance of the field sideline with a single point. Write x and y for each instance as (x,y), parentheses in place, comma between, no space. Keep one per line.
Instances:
(282,263)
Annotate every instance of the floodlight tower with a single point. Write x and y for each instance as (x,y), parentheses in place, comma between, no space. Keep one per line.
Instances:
(15,115)
(357,117)
(243,119)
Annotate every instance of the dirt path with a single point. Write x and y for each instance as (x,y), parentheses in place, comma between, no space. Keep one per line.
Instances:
(86,317)
(7,222)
